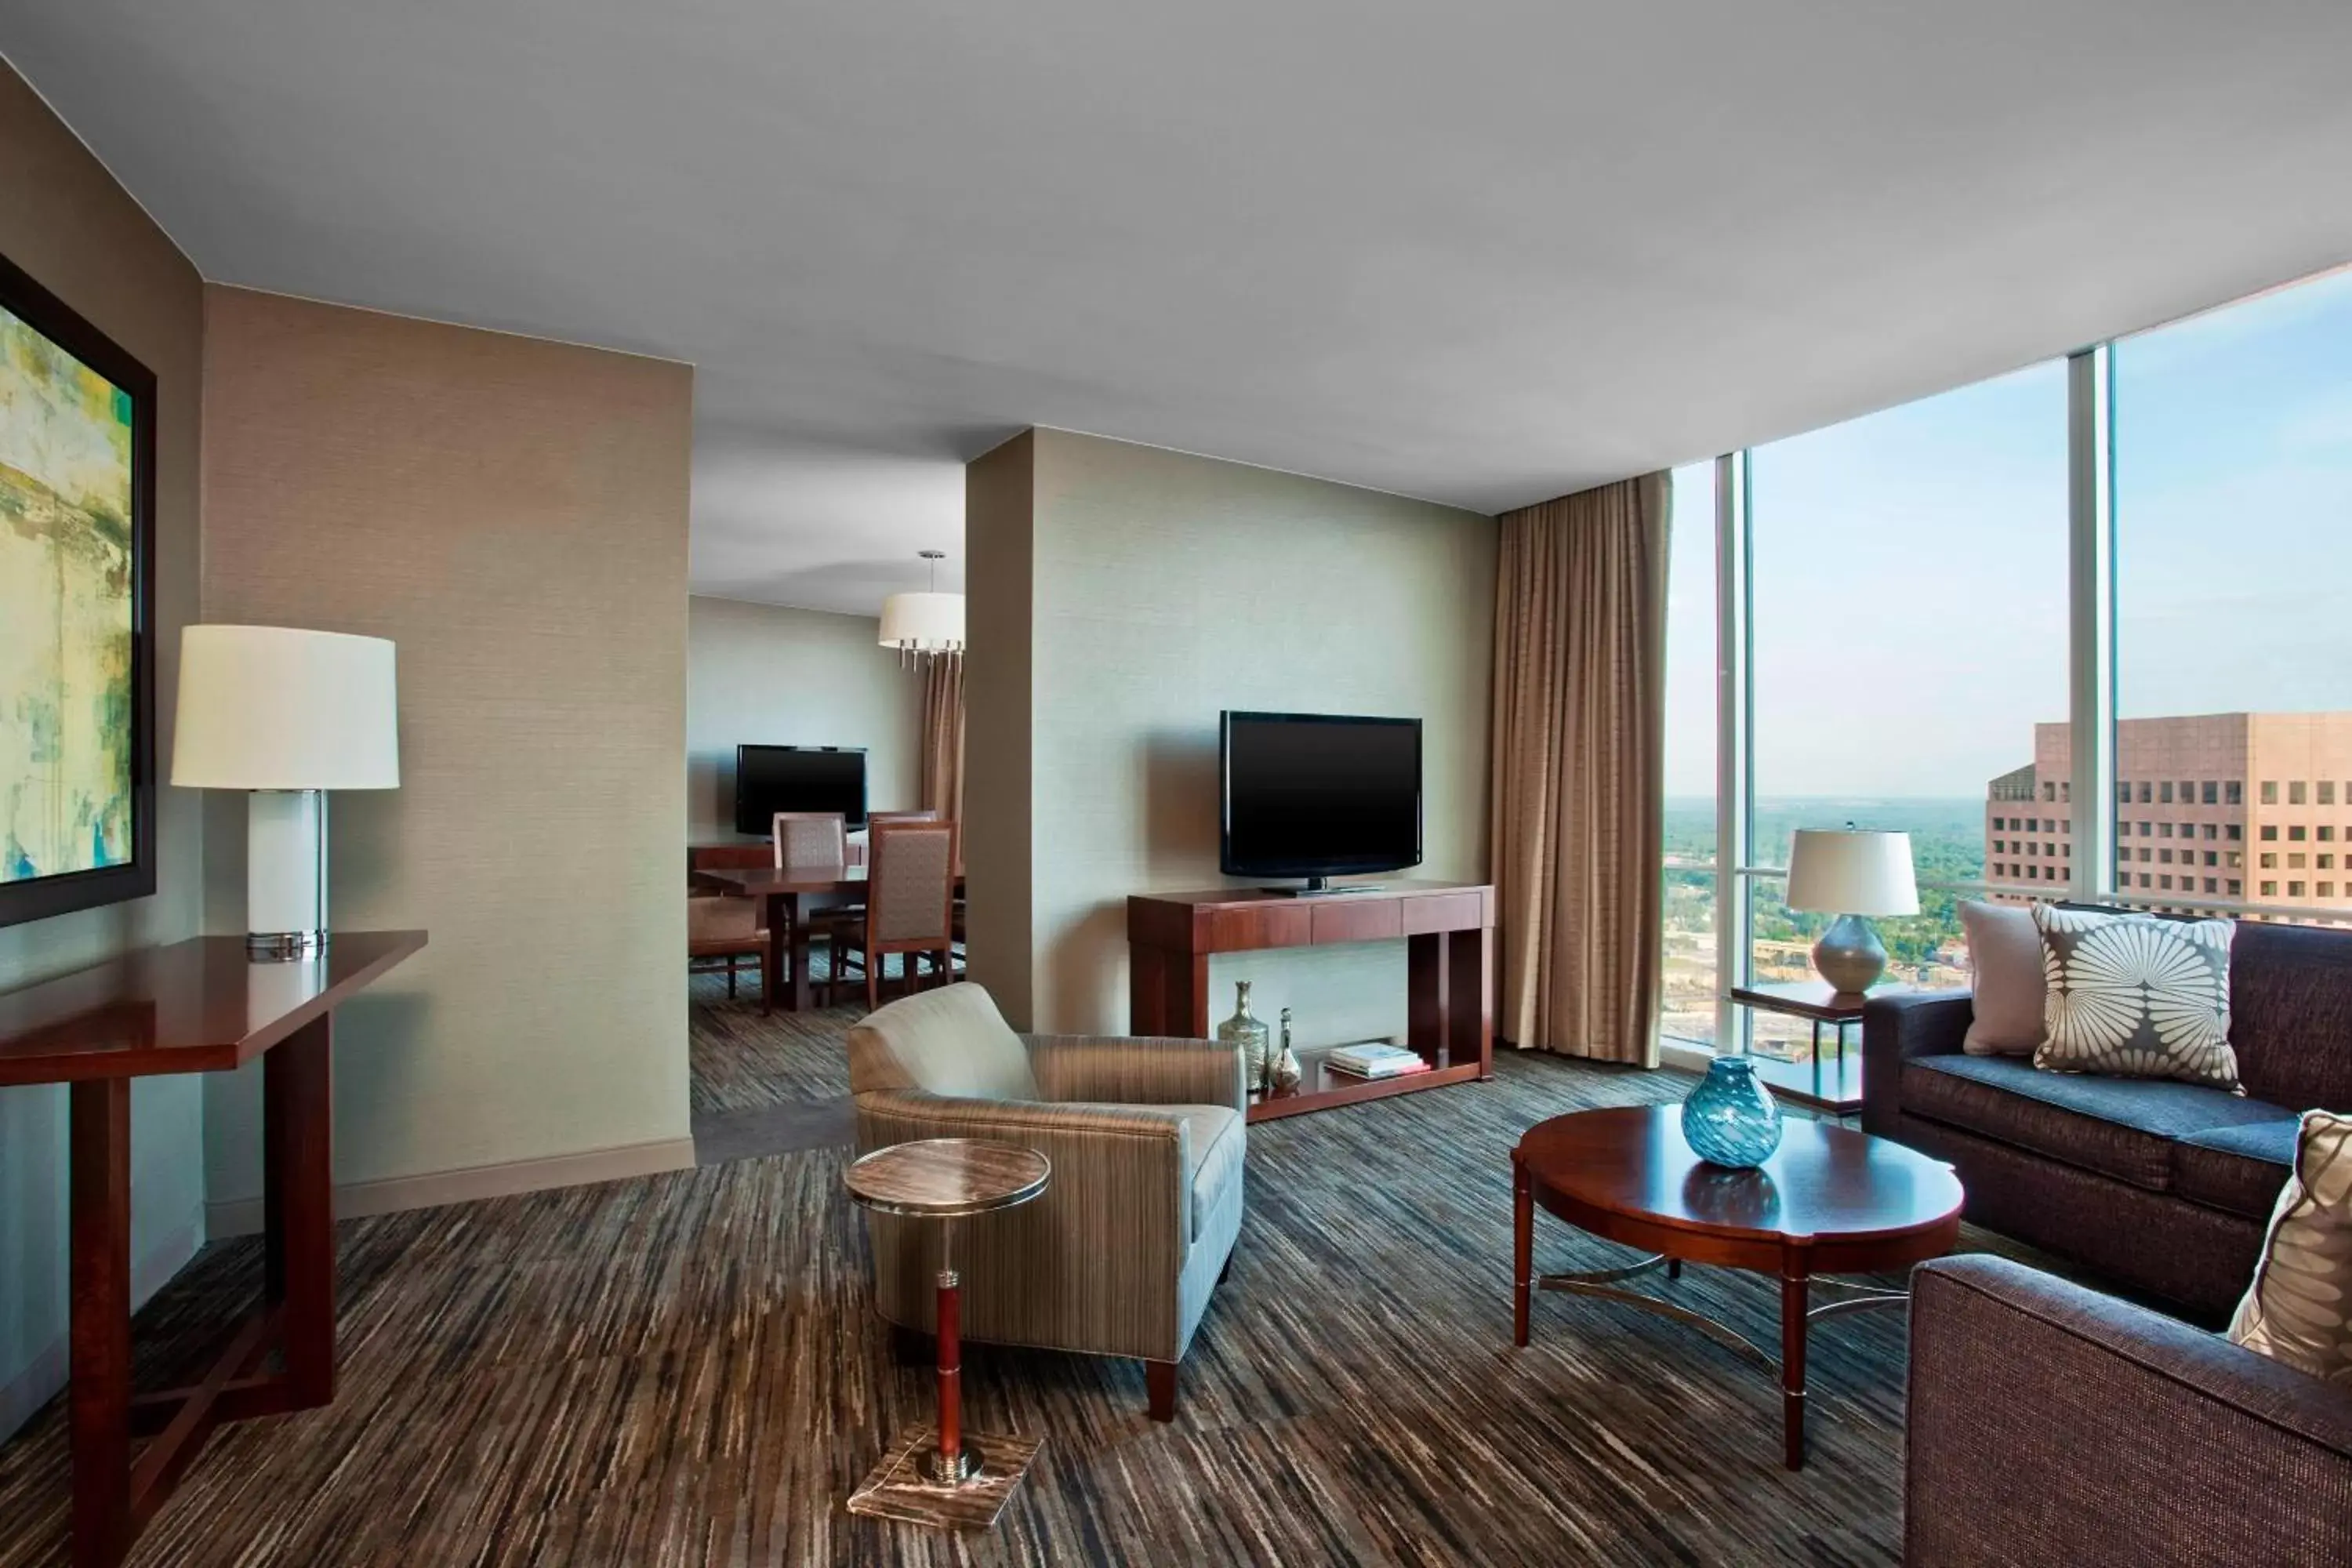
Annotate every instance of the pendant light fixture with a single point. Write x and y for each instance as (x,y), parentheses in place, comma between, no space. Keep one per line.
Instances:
(924,625)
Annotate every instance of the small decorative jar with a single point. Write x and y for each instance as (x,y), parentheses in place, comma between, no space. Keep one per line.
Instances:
(1245,1030)
(1730,1119)
(1286,1072)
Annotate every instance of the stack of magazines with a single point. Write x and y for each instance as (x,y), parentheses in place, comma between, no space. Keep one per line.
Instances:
(1375,1058)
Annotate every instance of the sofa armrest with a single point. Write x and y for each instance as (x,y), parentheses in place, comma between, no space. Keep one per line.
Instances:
(1138,1069)
(1090,1264)
(1894,1030)
(2049,1423)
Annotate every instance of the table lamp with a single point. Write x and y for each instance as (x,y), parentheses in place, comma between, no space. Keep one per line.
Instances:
(1851,873)
(288,715)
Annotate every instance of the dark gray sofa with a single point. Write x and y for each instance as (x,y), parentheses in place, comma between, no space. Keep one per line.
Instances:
(2165,1189)
(2050,1424)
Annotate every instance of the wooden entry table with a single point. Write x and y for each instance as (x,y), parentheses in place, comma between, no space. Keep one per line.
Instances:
(1828,1201)
(193,1006)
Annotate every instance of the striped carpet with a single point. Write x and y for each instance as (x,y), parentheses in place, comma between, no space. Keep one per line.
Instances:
(684,1369)
(743,1059)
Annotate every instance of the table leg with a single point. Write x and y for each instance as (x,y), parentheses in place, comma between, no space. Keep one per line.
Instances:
(1817,1058)
(298,1178)
(100,1333)
(1794,1292)
(771,966)
(800,961)
(1522,1249)
(950,1465)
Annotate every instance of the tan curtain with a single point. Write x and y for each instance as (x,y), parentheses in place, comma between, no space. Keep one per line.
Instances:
(1580,727)
(944,735)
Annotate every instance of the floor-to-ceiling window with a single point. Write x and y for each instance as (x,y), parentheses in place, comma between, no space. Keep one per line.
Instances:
(1908,628)
(1692,974)
(2232,434)
(1926,606)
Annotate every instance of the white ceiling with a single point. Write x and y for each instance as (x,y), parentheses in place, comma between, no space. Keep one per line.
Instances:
(1484,251)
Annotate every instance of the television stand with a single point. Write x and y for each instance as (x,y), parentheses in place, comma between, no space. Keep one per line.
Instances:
(1448,929)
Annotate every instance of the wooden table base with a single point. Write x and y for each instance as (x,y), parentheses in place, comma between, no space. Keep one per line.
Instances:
(114,1494)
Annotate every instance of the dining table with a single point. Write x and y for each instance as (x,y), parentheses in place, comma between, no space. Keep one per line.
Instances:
(787,896)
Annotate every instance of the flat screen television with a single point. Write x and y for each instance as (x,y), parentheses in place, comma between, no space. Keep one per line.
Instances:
(770,779)
(1318,795)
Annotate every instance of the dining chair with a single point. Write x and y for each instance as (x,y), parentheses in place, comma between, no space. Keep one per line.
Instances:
(810,840)
(723,929)
(910,874)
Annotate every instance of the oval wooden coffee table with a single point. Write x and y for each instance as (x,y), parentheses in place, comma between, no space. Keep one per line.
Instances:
(944,1475)
(1830,1201)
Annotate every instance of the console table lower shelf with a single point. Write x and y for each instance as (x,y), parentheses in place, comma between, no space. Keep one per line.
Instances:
(1448,931)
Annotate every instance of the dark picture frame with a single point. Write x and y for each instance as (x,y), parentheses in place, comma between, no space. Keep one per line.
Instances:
(42,898)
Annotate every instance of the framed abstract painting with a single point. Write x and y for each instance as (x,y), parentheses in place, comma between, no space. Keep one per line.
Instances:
(76,611)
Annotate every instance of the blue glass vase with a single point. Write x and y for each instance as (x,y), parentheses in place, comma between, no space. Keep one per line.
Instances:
(1730,1119)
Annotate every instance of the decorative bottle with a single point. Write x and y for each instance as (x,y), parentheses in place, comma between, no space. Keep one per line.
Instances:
(1248,1033)
(1730,1118)
(1285,1072)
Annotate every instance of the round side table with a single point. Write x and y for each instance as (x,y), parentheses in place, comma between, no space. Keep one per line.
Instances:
(953,1479)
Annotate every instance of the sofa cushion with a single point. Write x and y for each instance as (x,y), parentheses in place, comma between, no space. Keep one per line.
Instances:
(2299,1309)
(2136,996)
(2291,1014)
(1216,1145)
(2122,1128)
(2005,957)
(950,1041)
(2237,1169)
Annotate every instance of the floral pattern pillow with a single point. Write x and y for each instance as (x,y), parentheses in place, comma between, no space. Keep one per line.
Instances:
(2135,996)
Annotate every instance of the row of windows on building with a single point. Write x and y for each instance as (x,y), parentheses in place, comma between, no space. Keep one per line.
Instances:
(2219,791)
(2232,831)
(2031,824)
(2188,856)
(2228,887)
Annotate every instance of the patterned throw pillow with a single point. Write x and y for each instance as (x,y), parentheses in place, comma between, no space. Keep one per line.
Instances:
(2299,1309)
(2134,997)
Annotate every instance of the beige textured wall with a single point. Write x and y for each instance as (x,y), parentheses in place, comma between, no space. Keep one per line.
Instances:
(512,513)
(64,221)
(765,675)
(1166,587)
(998,538)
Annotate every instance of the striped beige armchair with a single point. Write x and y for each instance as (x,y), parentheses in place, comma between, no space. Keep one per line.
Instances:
(1133,1232)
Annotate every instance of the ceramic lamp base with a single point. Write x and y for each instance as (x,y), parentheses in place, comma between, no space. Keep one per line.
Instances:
(1850,956)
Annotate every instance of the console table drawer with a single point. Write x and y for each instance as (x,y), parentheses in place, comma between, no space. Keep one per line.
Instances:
(1443,912)
(1351,921)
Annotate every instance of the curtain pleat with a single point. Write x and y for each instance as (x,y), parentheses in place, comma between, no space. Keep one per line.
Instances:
(944,735)
(1579,739)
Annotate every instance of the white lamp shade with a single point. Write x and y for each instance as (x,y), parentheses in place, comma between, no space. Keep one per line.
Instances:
(278,708)
(927,622)
(1851,871)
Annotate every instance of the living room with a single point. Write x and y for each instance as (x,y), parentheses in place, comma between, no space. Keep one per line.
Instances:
(1783,589)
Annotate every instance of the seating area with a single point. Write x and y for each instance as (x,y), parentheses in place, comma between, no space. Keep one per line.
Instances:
(1471,785)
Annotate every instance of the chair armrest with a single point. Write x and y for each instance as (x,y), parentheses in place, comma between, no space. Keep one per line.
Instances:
(2049,1423)
(1894,1030)
(1092,1263)
(1138,1069)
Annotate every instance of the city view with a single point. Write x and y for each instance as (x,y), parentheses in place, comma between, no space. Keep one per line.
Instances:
(2212,812)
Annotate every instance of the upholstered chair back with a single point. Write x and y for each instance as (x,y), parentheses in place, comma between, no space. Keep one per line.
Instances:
(810,840)
(875,818)
(951,1041)
(910,883)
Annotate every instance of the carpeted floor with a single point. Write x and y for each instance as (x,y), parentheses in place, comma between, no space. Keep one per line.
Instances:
(685,1370)
(743,1059)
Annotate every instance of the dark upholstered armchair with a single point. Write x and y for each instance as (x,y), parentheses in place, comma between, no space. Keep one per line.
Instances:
(2052,1424)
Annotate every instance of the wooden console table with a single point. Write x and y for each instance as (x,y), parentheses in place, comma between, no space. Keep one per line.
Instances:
(1448,929)
(193,1007)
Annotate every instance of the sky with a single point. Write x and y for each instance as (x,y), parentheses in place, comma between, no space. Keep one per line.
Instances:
(1909,567)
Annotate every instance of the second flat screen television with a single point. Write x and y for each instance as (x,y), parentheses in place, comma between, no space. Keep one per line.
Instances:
(770,779)
(1318,795)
